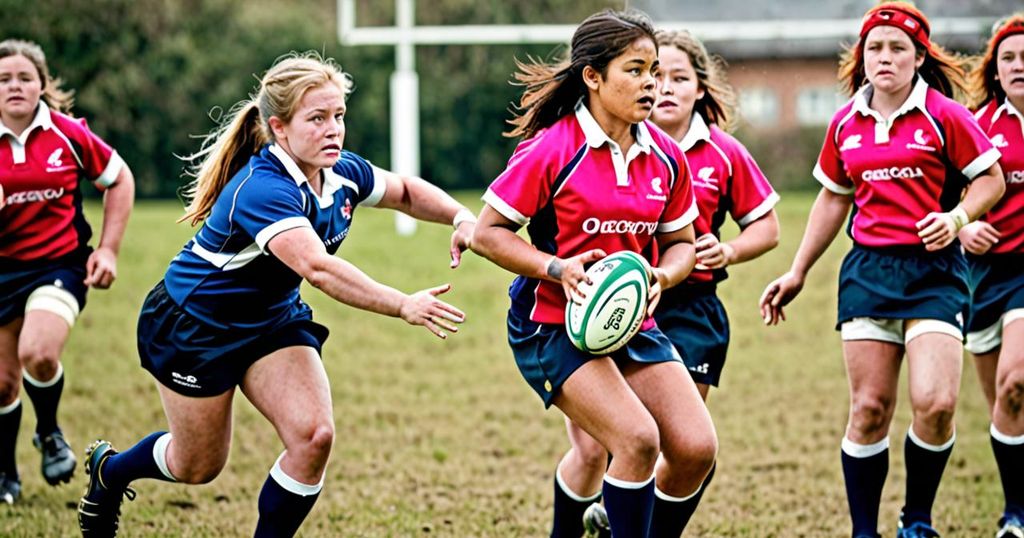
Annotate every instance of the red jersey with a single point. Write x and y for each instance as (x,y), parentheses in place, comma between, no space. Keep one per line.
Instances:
(576,191)
(1004,125)
(901,168)
(726,180)
(40,173)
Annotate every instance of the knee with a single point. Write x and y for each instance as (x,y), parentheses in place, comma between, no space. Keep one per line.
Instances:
(316,441)
(199,472)
(592,456)
(639,443)
(10,387)
(41,363)
(1010,391)
(696,452)
(870,414)
(937,412)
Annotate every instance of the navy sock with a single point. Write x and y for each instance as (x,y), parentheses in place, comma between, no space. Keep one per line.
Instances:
(925,464)
(1009,453)
(10,422)
(147,459)
(45,396)
(284,504)
(629,506)
(672,515)
(864,469)
(569,508)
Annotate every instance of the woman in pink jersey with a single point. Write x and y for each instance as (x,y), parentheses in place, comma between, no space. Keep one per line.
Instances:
(995,252)
(900,153)
(589,162)
(46,263)
(695,103)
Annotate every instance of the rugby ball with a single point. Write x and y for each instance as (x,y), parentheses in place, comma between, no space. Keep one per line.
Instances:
(615,304)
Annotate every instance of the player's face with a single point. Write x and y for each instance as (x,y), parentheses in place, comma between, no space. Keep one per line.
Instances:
(890,59)
(678,89)
(1010,68)
(20,88)
(628,90)
(316,132)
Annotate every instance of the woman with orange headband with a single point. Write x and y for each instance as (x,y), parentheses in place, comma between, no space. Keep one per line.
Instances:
(995,250)
(900,153)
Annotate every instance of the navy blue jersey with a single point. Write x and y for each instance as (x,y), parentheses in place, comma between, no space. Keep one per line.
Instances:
(226,277)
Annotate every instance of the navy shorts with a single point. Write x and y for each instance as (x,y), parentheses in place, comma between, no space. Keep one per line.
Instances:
(997,287)
(546,357)
(194,359)
(19,279)
(902,283)
(694,319)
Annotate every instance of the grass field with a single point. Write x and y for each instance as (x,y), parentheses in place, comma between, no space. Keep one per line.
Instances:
(445,439)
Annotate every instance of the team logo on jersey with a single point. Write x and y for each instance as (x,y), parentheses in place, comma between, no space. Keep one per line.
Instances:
(346,210)
(921,141)
(54,163)
(656,184)
(851,142)
(705,180)
(658,189)
(1015,176)
(25,197)
(999,141)
(598,226)
(895,172)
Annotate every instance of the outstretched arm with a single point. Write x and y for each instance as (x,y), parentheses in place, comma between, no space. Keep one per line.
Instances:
(101,267)
(302,251)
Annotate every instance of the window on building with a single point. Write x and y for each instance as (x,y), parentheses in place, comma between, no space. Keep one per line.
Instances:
(815,106)
(759,105)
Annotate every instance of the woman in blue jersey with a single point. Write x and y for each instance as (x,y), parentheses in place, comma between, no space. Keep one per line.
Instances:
(900,153)
(276,194)
(995,252)
(589,164)
(46,263)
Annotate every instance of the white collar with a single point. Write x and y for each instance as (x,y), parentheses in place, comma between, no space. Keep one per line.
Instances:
(916,99)
(332,181)
(1007,107)
(41,119)
(697,132)
(289,164)
(596,137)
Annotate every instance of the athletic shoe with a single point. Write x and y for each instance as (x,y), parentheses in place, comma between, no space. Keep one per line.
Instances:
(595,522)
(10,489)
(100,507)
(1011,527)
(917,529)
(58,459)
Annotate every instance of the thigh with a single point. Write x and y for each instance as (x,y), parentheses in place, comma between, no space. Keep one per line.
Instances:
(985,364)
(873,369)
(290,388)
(935,366)
(668,392)
(201,429)
(43,334)
(1011,357)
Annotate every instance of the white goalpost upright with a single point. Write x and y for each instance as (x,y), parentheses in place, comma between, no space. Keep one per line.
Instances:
(404,35)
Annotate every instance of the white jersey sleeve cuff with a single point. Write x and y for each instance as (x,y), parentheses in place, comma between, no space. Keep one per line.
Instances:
(682,222)
(761,210)
(828,183)
(503,207)
(110,173)
(268,233)
(380,186)
(982,163)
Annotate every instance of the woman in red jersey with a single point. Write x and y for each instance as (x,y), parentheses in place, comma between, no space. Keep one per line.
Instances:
(46,263)
(590,164)
(995,251)
(900,153)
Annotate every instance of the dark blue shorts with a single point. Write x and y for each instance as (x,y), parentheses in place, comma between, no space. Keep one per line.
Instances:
(19,279)
(546,357)
(195,359)
(694,319)
(903,284)
(997,287)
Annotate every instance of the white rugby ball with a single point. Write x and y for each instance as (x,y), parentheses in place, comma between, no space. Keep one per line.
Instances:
(615,304)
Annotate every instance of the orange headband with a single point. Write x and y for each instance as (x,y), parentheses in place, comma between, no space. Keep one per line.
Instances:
(899,15)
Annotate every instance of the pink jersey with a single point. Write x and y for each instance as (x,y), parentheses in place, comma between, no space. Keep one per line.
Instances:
(899,170)
(1005,126)
(726,180)
(577,191)
(40,173)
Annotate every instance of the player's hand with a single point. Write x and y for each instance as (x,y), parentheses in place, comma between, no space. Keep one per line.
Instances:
(424,308)
(778,294)
(979,236)
(101,268)
(658,280)
(938,230)
(462,239)
(572,273)
(713,254)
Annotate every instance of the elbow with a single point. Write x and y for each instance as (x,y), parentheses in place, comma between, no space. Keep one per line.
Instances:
(482,243)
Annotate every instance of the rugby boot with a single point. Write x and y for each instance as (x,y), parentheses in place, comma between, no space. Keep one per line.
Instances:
(100,508)
(58,460)
(1011,526)
(595,522)
(10,489)
(917,529)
